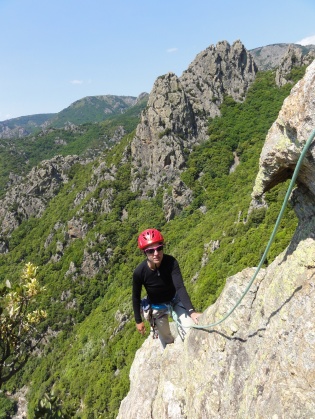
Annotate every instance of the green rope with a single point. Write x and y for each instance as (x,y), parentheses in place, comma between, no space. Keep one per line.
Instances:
(263,258)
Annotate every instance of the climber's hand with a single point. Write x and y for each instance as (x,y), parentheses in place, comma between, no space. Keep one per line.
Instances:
(194,316)
(141,328)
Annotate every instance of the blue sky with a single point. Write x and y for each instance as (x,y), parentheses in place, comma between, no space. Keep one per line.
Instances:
(54,52)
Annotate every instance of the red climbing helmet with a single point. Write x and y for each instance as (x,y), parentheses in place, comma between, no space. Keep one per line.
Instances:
(149,236)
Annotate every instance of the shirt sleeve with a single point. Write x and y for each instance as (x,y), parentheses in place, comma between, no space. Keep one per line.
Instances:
(136,297)
(180,287)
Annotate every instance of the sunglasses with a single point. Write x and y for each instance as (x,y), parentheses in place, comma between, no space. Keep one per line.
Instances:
(153,249)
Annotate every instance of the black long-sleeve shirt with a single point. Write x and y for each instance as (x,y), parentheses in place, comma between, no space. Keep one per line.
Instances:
(161,285)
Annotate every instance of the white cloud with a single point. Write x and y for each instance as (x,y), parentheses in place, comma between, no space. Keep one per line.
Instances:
(171,50)
(76,82)
(310,40)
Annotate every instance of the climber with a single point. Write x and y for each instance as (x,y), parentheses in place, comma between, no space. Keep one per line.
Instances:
(161,277)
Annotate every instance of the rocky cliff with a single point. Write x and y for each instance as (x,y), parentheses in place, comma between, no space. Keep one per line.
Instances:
(294,57)
(260,362)
(29,196)
(178,110)
(269,57)
(177,113)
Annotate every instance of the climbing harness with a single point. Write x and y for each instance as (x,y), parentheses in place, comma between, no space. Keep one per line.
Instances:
(161,310)
(169,309)
(272,236)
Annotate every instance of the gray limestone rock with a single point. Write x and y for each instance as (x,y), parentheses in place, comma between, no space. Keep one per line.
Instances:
(286,138)
(294,57)
(29,197)
(177,114)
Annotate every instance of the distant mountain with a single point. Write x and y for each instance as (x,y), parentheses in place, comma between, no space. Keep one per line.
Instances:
(24,125)
(93,109)
(20,151)
(87,110)
(270,56)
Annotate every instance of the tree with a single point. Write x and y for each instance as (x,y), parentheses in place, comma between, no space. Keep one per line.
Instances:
(49,407)
(19,335)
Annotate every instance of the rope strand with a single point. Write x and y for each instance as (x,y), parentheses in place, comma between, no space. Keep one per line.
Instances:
(271,239)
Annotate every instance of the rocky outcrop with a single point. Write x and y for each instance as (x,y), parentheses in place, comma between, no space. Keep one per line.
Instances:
(16,132)
(269,57)
(294,57)
(173,204)
(260,361)
(178,109)
(286,138)
(217,71)
(24,125)
(167,126)
(29,197)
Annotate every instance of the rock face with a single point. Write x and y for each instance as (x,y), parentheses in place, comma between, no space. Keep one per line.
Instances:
(176,118)
(294,57)
(178,109)
(217,71)
(29,197)
(269,57)
(166,128)
(286,138)
(260,362)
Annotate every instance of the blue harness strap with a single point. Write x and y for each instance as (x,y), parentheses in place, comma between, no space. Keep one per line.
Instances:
(160,306)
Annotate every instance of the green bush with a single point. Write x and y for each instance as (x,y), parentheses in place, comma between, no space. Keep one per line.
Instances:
(7,407)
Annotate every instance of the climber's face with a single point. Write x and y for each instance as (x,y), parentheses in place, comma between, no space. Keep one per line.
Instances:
(154,253)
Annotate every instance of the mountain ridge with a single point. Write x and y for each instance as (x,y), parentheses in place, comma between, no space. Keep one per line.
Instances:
(19,155)
(266,57)
(89,109)
(269,57)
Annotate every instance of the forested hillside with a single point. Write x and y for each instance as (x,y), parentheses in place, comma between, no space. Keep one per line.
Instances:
(91,339)
(19,155)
